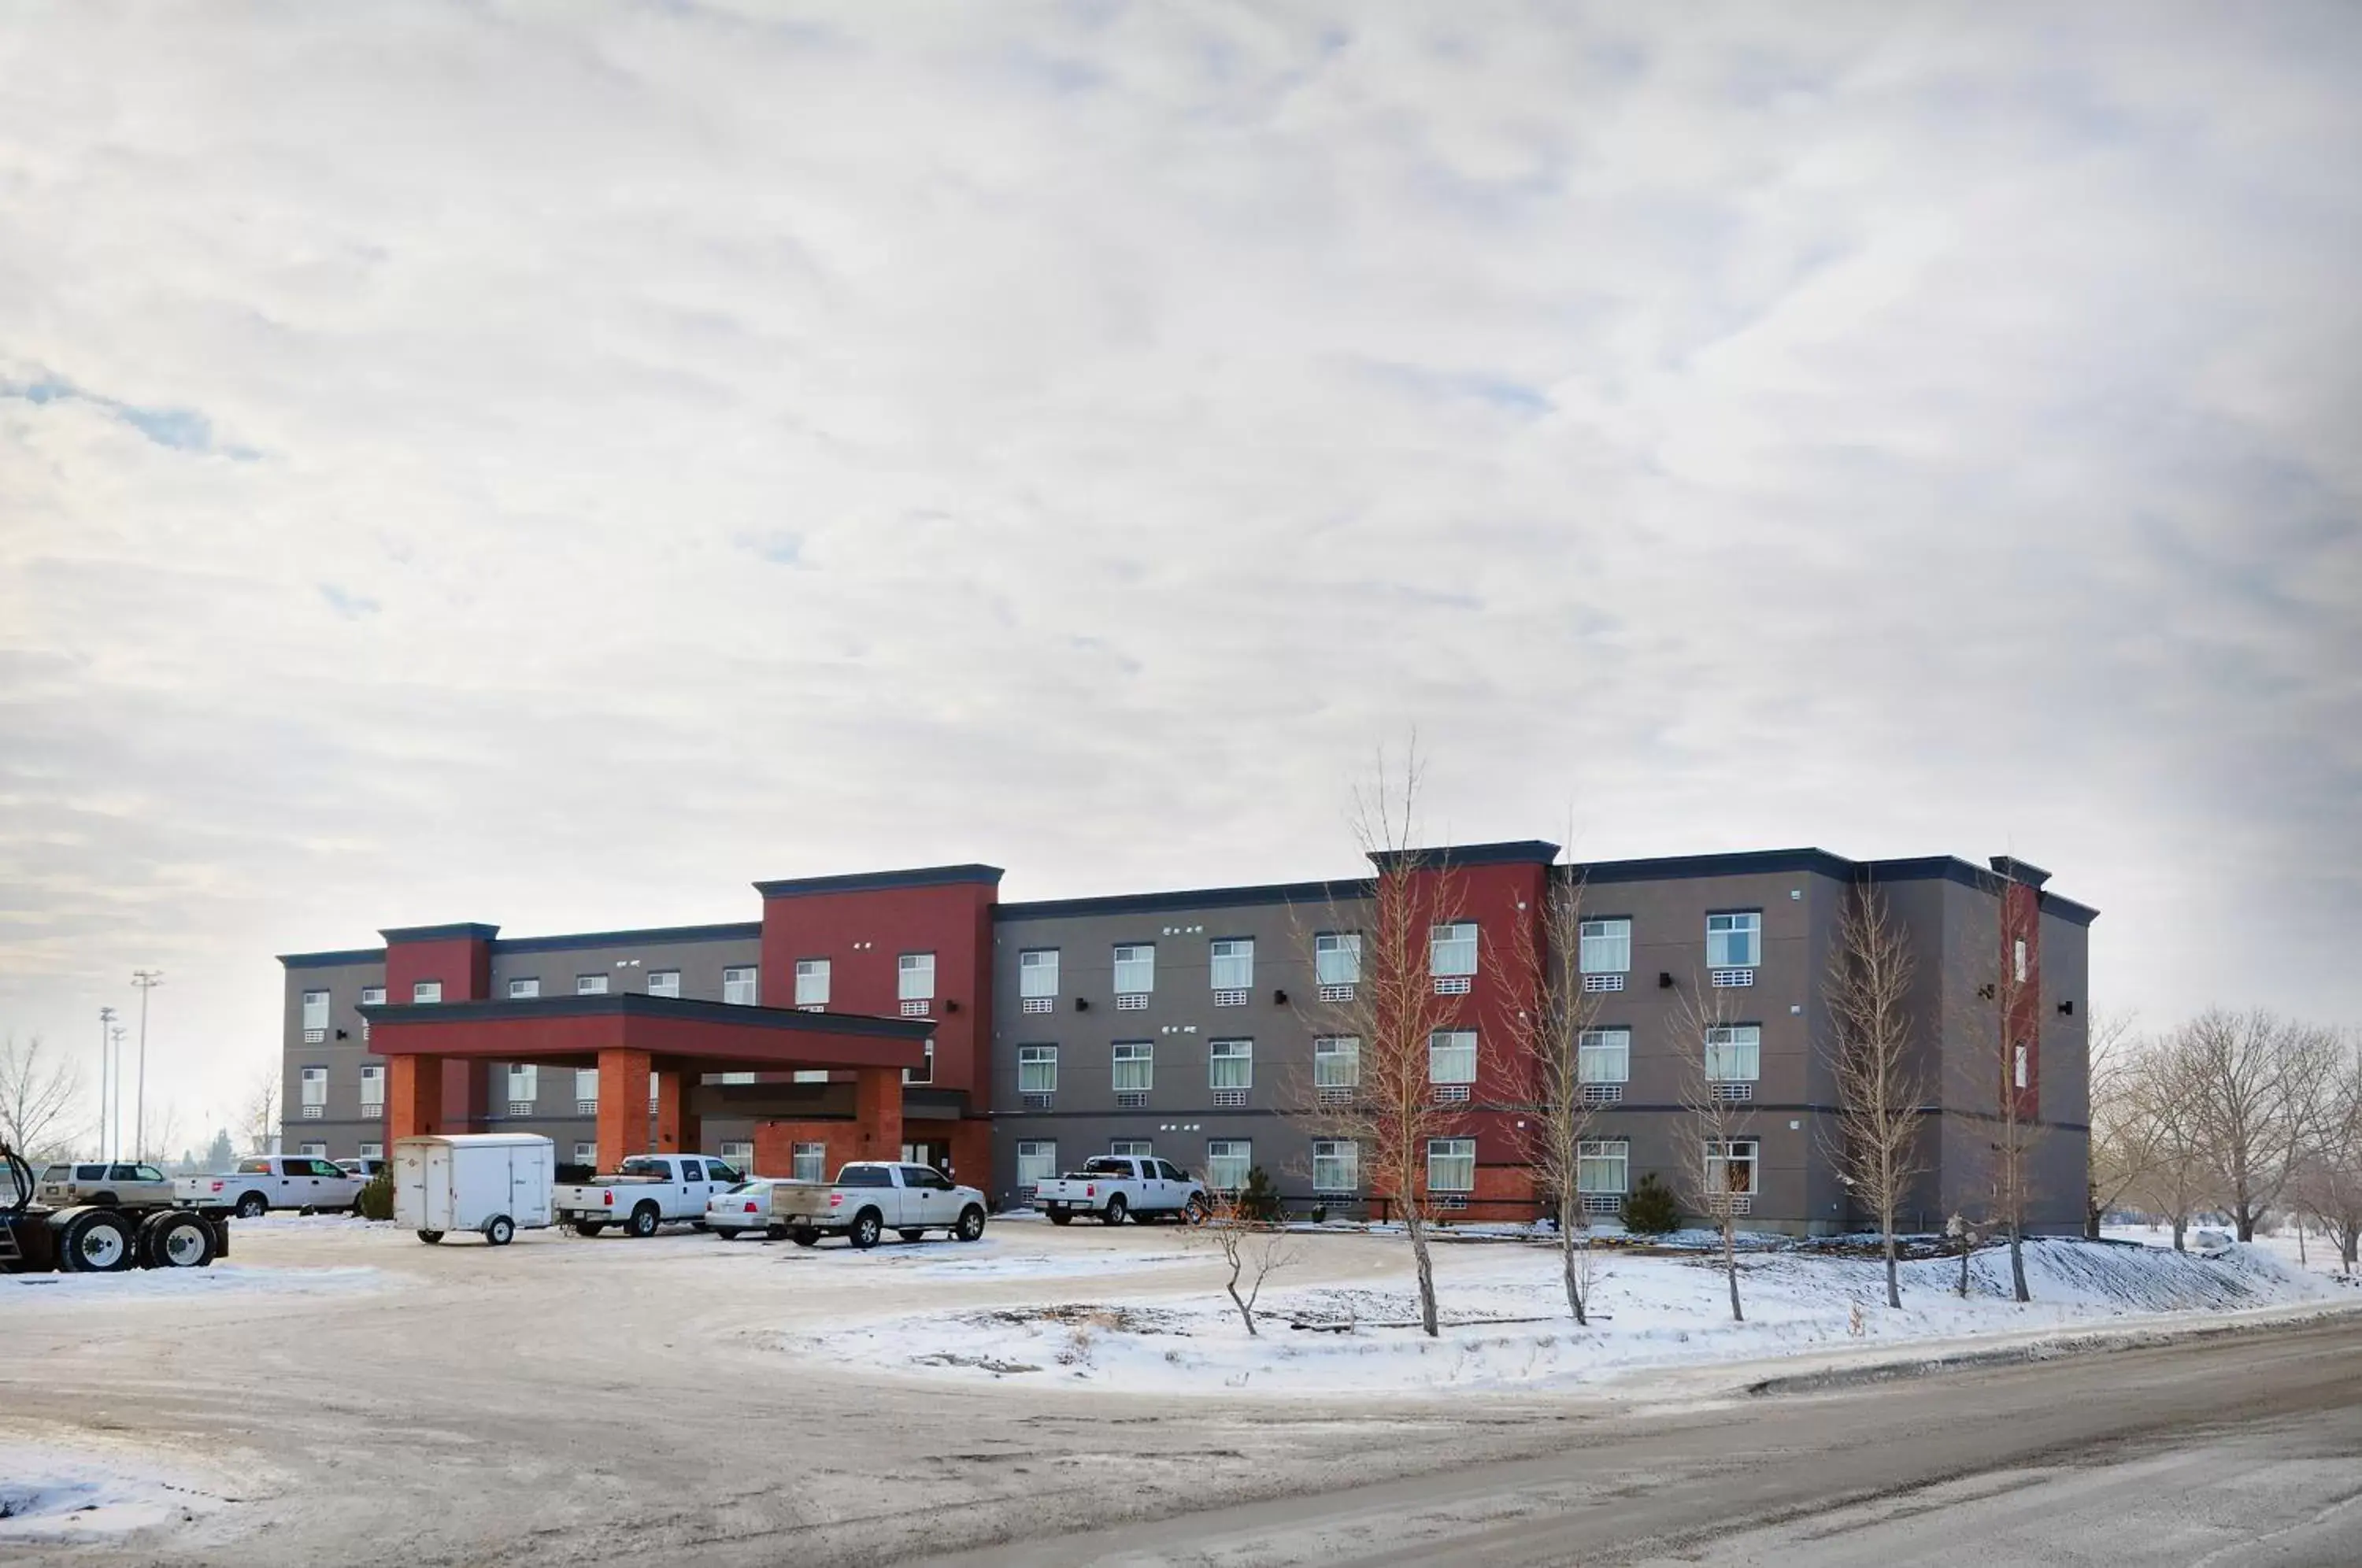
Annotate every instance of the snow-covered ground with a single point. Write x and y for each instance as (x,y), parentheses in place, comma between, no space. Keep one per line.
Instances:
(51,1493)
(183,1284)
(1505,1324)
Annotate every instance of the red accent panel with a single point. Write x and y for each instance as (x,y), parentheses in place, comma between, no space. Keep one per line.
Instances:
(953,921)
(1501,899)
(2022,920)
(464,965)
(688,1044)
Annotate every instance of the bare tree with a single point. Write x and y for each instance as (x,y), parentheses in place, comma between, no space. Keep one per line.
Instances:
(1392,1011)
(2178,1180)
(2329,1183)
(259,1116)
(40,1098)
(1251,1248)
(1879,1087)
(2260,1083)
(2126,1136)
(1999,1024)
(1545,1041)
(1719,1171)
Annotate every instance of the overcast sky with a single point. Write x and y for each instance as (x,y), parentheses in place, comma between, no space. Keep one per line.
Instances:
(556,464)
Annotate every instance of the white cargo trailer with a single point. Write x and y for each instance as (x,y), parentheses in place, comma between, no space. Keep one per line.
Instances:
(493,1183)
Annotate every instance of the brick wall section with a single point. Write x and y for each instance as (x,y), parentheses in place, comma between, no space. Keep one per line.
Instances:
(775,1141)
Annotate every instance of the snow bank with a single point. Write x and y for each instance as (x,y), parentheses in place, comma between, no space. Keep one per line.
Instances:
(1505,1324)
(49,1494)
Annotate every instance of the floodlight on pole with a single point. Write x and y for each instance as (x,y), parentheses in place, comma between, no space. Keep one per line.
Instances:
(105,1026)
(147,980)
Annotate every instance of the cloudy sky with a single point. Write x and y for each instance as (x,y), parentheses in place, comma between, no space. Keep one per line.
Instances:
(555,465)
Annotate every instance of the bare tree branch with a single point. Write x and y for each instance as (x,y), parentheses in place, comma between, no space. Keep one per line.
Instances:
(1546,1043)
(1879,1090)
(40,1099)
(1721,1169)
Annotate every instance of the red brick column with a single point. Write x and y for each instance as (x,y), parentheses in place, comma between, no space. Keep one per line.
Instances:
(622,1105)
(414,1097)
(877,1111)
(677,1130)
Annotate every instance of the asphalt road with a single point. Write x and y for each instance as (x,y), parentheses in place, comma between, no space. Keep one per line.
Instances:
(575,1403)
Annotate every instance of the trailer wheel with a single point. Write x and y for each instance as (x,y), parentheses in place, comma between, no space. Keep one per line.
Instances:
(644,1221)
(499,1230)
(430,1237)
(971,1224)
(804,1236)
(588,1227)
(176,1240)
(99,1242)
(867,1226)
(1114,1212)
(253,1206)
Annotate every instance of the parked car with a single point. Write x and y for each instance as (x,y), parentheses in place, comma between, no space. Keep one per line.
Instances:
(492,1183)
(2210,1243)
(871,1197)
(734,1212)
(273,1181)
(367,1167)
(118,1185)
(1113,1185)
(648,1191)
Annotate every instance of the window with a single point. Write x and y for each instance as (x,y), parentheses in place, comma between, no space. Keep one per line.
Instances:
(1037,978)
(371,996)
(664,982)
(373,1151)
(586,1154)
(811,1076)
(524,1088)
(1228,1161)
(1606,945)
(734,1077)
(1131,1148)
(1734,1053)
(1452,1056)
(1734,941)
(1037,1069)
(1603,1056)
(1135,1065)
(739,988)
(590,984)
(1037,1162)
(1233,964)
(1337,958)
(1337,1066)
(372,1088)
(1451,950)
(925,1072)
(525,989)
(315,1093)
(1336,1165)
(809,1162)
(692,1170)
(1451,1165)
(586,1091)
(1230,1070)
(319,1151)
(811,982)
(1730,1167)
(918,977)
(1603,1167)
(425,992)
(2020,948)
(2022,1064)
(740,1154)
(1135,970)
(315,1017)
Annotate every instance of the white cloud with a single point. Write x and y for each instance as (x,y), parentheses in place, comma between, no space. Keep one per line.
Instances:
(615,454)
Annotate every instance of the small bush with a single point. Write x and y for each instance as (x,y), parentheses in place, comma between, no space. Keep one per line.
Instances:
(1259,1200)
(1652,1209)
(376,1199)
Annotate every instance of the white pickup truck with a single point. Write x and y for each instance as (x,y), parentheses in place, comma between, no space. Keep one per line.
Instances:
(649,1191)
(870,1197)
(272,1181)
(1113,1185)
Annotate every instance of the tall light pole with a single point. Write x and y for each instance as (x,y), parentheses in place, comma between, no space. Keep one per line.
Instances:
(105,1028)
(118,1030)
(147,980)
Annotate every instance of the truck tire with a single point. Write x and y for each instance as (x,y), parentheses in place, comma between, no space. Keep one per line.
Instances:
(644,1221)
(430,1237)
(775,1233)
(588,1227)
(867,1226)
(804,1236)
(971,1224)
(728,1232)
(176,1239)
(99,1242)
(252,1205)
(1114,1212)
(500,1230)
(1061,1217)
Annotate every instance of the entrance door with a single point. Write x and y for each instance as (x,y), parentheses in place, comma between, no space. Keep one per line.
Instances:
(937,1154)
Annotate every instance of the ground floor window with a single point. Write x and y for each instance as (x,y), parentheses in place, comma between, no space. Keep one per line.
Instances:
(1451,1165)
(586,1154)
(1228,1161)
(1603,1167)
(317,1151)
(741,1155)
(1730,1165)
(810,1162)
(1336,1165)
(373,1151)
(1037,1161)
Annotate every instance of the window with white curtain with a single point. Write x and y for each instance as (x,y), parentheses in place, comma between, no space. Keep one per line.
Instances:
(1336,1060)
(1451,949)
(1234,964)
(1037,1161)
(1606,946)
(1337,958)
(1037,1069)
(1603,1167)
(664,982)
(1229,1063)
(372,1088)
(1451,1165)
(1730,1165)
(525,988)
(1132,1148)
(586,1154)
(315,1017)
(918,977)
(586,1090)
(1037,972)
(1228,1161)
(811,982)
(740,987)
(1135,969)
(1734,941)
(1336,1165)
(809,1162)
(315,1087)
(1452,1056)
(590,984)
(1135,1064)
(371,1151)
(524,1083)
(1734,1053)
(1603,1056)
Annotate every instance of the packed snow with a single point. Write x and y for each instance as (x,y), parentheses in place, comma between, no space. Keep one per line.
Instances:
(221,1280)
(1506,1325)
(49,1494)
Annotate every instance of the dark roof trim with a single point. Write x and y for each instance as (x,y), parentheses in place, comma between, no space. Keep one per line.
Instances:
(333,960)
(2018,870)
(470,931)
(2068,910)
(1742,863)
(636,1004)
(742,931)
(874,881)
(1322,893)
(1513,852)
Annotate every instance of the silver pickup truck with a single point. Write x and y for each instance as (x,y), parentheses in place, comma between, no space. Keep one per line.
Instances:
(870,1197)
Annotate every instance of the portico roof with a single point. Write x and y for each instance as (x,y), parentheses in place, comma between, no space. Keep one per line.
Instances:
(707,1036)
